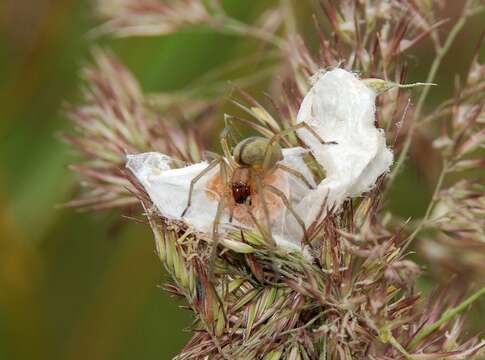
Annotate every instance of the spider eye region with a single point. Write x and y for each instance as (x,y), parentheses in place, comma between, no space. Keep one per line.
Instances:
(241,191)
(253,151)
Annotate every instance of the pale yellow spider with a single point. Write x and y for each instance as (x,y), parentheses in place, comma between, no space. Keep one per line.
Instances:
(245,180)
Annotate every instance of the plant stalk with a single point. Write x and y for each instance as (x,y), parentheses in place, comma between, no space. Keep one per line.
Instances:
(447,316)
(424,94)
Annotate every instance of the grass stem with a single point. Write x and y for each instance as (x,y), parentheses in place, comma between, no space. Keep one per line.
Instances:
(447,316)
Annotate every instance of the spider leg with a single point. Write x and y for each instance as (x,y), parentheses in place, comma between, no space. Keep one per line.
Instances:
(296,174)
(304,125)
(260,190)
(219,213)
(288,205)
(211,155)
(213,254)
(258,226)
(233,131)
(209,167)
(281,134)
(224,138)
(215,236)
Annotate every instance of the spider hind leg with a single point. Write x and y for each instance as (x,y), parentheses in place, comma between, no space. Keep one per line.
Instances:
(277,137)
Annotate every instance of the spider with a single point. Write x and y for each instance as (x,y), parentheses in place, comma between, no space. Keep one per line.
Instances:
(246,178)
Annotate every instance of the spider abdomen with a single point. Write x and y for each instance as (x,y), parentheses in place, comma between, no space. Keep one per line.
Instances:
(252,152)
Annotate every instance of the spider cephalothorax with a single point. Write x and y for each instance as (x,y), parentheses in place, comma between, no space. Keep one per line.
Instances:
(241,192)
(243,177)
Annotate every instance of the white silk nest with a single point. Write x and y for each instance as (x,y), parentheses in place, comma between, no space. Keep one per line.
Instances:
(340,108)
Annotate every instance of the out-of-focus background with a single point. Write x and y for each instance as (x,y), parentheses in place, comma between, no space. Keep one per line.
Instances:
(87,286)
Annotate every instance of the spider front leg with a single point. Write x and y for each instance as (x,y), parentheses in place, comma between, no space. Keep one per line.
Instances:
(260,190)
(213,255)
(258,226)
(215,236)
(288,205)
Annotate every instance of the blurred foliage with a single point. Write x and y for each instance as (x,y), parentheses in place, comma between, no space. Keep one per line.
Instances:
(84,286)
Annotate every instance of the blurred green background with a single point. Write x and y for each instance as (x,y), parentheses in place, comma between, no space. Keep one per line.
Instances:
(86,286)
